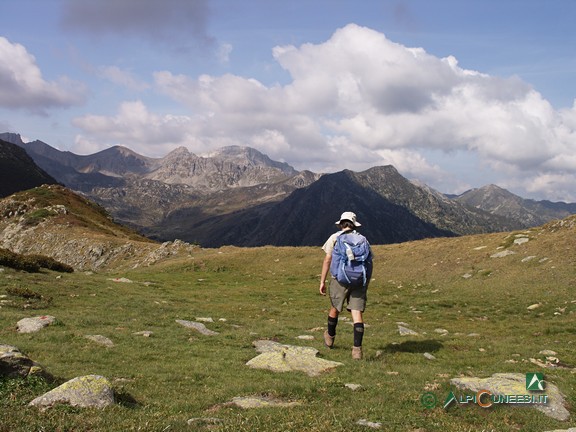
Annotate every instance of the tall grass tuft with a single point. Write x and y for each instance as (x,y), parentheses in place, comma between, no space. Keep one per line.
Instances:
(31,263)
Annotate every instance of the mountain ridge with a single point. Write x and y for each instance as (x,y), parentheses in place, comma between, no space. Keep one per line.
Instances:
(306,217)
(238,195)
(232,166)
(499,201)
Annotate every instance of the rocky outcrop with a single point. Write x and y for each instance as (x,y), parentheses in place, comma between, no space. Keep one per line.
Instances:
(90,391)
(88,253)
(55,222)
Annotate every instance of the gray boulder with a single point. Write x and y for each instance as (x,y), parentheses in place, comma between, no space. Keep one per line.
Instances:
(90,391)
(405,331)
(101,340)
(199,327)
(34,324)
(285,358)
(502,254)
(14,364)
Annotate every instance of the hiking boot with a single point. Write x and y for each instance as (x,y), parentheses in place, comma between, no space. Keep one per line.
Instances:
(328,340)
(357,353)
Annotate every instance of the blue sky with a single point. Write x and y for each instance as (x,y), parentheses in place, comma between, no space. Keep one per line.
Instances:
(456,94)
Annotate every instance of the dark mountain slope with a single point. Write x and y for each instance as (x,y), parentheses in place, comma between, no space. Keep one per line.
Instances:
(391,208)
(429,204)
(18,171)
(307,217)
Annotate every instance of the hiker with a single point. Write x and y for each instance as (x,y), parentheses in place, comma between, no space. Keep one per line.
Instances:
(342,288)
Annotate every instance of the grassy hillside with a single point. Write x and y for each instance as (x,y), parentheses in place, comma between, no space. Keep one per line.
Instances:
(161,382)
(41,203)
(54,221)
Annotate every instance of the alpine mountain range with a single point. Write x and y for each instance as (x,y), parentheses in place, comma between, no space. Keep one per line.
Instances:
(239,196)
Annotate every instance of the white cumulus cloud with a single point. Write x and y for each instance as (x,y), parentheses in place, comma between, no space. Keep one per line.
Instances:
(134,125)
(22,84)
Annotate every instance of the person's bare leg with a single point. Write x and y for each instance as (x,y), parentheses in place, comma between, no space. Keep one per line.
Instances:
(356,316)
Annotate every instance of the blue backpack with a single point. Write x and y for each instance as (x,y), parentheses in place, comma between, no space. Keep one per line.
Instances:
(352,260)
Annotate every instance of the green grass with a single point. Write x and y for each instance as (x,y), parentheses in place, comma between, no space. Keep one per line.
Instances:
(178,374)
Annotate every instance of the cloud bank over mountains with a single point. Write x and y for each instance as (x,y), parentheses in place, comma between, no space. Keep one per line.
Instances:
(353,101)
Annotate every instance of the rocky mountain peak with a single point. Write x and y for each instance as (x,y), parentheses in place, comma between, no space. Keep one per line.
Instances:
(493,190)
(249,157)
(13,138)
(114,161)
(439,195)
(234,151)
(491,187)
(178,152)
(489,197)
(228,167)
(125,151)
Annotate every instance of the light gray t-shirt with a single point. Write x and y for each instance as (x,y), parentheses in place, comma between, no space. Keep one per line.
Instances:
(328,247)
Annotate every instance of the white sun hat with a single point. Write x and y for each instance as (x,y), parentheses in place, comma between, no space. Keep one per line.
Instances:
(349,216)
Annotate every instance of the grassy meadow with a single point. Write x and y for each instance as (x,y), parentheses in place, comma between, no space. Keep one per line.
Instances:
(177,374)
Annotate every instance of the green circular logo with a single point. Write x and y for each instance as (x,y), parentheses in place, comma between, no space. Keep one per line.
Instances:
(428,400)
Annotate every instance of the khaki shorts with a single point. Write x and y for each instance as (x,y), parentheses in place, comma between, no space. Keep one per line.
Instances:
(355,297)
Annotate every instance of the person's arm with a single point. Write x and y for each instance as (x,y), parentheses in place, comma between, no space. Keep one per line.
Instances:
(325,269)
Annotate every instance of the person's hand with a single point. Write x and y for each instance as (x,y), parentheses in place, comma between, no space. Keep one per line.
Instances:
(323,288)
